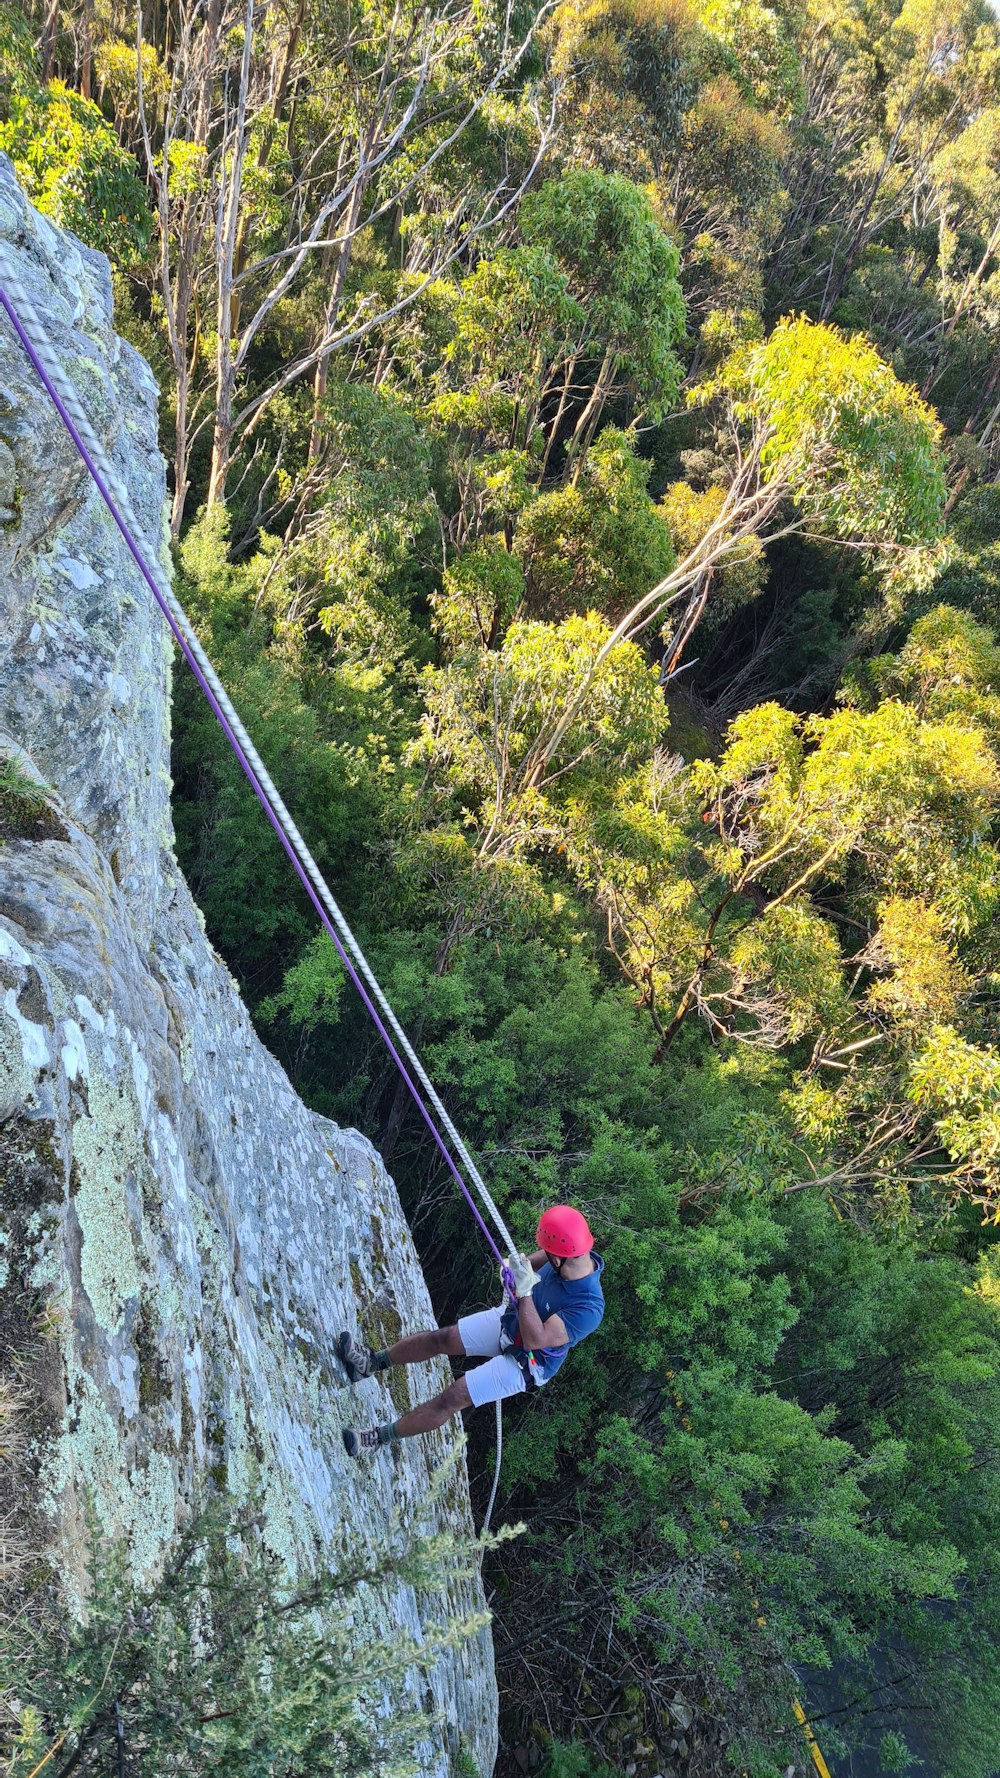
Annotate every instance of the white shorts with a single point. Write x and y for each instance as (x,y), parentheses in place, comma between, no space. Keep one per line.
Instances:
(502,1376)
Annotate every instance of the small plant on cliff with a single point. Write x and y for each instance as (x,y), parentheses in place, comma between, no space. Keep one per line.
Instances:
(24,813)
(221,1667)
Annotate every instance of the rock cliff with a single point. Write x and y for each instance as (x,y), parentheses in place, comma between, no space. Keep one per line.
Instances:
(198,1235)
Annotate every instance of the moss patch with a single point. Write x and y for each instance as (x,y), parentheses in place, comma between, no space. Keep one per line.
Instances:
(383,1327)
(31,1184)
(155,1377)
(24,809)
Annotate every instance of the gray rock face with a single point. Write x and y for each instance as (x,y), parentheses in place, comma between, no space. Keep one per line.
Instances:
(201,1235)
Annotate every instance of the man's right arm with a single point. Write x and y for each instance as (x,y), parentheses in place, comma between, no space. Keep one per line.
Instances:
(536,1261)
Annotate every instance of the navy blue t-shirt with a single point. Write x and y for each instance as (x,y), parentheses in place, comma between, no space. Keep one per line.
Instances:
(579,1303)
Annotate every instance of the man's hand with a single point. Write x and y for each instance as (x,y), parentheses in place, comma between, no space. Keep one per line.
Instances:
(525,1277)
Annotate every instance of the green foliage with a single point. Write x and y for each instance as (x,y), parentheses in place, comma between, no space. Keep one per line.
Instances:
(858,450)
(374,505)
(312,989)
(70,162)
(631,72)
(324,737)
(733,202)
(24,811)
(514,318)
(481,593)
(893,1753)
(744,1007)
(759,51)
(603,232)
(16,784)
(960,1084)
(17,49)
(573,1761)
(949,666)
(116,67)
(741,573)
(599,543)
(489,714)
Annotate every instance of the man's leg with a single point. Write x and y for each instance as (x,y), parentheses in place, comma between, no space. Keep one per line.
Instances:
(423,1419)
(361,1361)
(434,1413)
(494,1381)
(434,1343)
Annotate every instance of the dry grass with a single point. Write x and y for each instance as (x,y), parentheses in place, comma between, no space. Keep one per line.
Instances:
(14,1555)
(13,1404)
(24,806)
(13,1437)
(53,1318)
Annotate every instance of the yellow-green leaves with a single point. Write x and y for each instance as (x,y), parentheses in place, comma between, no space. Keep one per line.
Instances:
(514,319)
(858,451)
(480,594)
(906,795)
(489,714)
(754,44)
(741,573)
(786,970)
(72,167)
(914,795)
(923,978)
(599,542)
(958,1083)
(949,666)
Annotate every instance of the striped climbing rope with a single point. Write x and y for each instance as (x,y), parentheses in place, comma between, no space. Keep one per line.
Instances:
(28,326)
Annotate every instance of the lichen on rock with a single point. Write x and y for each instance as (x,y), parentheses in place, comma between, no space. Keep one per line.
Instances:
(202,1235)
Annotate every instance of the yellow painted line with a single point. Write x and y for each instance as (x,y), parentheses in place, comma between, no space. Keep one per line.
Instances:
(818,1761)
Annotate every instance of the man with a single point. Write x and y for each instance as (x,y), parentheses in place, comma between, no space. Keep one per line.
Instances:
(559,1302)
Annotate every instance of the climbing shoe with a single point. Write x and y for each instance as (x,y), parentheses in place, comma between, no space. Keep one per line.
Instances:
(359,1361)
(371,1438)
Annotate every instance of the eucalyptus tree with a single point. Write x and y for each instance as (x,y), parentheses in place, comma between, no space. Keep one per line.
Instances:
(632,70)
(823,440)
(586,310)
(824,436)
(886,94)
(65,153)
(272,135)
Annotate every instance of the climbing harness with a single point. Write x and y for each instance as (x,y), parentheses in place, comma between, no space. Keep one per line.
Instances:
(117,499)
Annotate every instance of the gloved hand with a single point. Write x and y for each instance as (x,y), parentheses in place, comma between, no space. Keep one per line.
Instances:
(525,1276)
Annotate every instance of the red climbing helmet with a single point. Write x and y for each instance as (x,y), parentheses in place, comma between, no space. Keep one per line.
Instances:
(564,1230)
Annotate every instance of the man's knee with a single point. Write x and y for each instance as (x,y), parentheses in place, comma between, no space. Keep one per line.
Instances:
(451,1342)
(455,1397)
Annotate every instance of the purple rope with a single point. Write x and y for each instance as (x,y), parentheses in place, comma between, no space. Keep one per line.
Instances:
(258,789)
